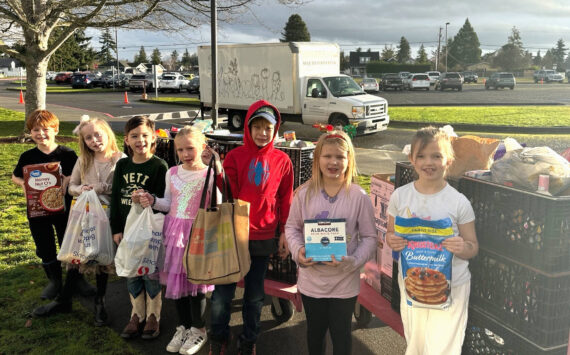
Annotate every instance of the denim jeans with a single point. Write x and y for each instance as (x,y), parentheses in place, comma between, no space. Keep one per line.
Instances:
(253,298)
(135,285)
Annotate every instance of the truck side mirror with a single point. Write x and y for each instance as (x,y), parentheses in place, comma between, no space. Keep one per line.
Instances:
(315,92)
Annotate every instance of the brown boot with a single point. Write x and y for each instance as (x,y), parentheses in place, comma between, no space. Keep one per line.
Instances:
(133,328)
(153,307)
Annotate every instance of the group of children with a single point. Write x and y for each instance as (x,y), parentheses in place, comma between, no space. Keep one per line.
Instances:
(262,175)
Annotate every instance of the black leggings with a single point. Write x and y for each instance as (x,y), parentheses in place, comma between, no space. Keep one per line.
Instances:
(333,314)
(42,229)
(191,310)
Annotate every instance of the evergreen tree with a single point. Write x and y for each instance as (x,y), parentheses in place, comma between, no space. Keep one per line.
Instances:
(155,57)
(295,30)
(559,53)
(464,49)
(387,54)
(185,60)
(344,61)
(422,57)
(74,54)
(141,56)
(548,60)
(173,62)
(108,47)
(537,60)
(403,55)
(358,50)
(512,55)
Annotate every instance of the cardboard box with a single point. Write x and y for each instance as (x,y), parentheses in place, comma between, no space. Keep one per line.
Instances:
(386,257)
(372,268)
(381,189)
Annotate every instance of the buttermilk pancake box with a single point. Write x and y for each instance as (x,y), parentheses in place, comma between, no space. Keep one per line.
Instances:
(44,192)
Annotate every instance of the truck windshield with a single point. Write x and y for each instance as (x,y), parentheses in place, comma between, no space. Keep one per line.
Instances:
(343,86)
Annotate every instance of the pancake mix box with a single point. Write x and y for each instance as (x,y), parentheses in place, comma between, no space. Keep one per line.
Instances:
(43,187)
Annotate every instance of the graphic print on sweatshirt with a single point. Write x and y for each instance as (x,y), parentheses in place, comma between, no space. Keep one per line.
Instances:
(134,181)
(257,173)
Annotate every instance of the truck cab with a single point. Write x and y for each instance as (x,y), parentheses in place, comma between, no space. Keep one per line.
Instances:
(340,99)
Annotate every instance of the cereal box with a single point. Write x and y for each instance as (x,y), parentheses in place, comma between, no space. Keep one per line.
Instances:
(44,192)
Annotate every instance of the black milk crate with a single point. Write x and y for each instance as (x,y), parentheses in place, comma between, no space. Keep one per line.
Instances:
(487,335)
(223,147)
(302,159)
(282,269)
(529,227)
(405,174)
(534,304)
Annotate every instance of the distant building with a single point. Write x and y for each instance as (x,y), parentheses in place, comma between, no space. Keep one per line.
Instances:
(147,68)
(358,61)
(11,67)
(123,66)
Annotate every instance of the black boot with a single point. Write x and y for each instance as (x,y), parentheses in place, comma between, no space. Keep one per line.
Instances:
(100,312)
(84,288)
(53,273)
(62,303)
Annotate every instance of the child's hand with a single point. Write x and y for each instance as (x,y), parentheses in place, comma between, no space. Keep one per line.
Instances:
(454,244)
(333,262)
(135,196)
(395,242)
(303,261)
(283,247)
(207,155)
(117,238)
(146,200)
(86,188)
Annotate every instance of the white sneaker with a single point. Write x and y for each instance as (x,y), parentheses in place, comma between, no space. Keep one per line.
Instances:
(194,342)
(178,339)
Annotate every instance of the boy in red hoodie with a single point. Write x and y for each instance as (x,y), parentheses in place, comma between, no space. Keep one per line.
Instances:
(263,176)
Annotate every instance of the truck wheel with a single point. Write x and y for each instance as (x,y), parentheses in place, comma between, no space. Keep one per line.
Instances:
(235,120)
(362,315)
(281,309)
(338,120)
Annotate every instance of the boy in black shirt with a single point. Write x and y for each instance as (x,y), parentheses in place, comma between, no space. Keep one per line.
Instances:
(44,126)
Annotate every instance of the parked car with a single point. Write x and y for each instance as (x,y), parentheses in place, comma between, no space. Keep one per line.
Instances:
(82,80)
(501,80)
(406,80)
(173,82)
(50,75)
(393,81)
(140,81)
(449,80)
(470,77)
(418,81)
(194,85)
(433,77)
(548,76)
(63,77)
(120,81)
(404,74)
(370,84)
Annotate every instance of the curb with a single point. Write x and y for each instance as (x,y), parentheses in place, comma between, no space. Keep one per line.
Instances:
(487,128)
(150,101)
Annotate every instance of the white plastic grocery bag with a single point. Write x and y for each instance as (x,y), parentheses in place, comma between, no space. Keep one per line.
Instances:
(142,240)
(87,238)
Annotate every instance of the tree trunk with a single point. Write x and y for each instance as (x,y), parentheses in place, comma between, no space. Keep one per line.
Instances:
(36,62)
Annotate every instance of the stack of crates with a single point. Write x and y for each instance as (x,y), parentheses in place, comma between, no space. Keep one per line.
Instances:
(520,280)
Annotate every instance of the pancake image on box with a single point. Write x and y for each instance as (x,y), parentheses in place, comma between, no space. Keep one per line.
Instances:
(426,264)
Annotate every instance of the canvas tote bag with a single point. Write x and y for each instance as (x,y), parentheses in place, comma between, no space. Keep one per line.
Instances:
(217,252)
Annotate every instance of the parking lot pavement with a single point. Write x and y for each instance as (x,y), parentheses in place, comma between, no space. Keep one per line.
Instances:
(276,338)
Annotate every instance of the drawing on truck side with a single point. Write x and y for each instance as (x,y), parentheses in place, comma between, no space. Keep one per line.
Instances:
(257,87)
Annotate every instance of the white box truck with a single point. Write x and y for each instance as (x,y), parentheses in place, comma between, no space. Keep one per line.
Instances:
(301,79)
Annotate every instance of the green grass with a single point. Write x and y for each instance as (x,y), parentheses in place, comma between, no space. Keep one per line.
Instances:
(22,278)
(192,101)
(519,116)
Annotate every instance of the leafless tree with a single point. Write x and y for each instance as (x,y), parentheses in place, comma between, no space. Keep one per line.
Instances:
(32,23)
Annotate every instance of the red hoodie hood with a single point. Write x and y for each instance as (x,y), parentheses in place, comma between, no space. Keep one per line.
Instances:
(247,140)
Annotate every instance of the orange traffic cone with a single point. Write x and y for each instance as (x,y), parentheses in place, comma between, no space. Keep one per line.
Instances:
(541,81)
(126,98)
(484,81)
(21,97)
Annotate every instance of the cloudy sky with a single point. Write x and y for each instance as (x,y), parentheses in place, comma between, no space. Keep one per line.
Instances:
(374,24)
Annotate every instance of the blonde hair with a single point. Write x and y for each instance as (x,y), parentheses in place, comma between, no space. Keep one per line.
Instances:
(342,140)
(196,134)
(86,155)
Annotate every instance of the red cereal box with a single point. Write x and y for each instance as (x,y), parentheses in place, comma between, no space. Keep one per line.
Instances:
(44,192)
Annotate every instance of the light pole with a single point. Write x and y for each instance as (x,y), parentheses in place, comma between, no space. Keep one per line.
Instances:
(446,45)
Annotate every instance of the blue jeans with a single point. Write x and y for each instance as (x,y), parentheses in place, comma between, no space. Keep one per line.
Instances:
(253,298)
(135,285)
